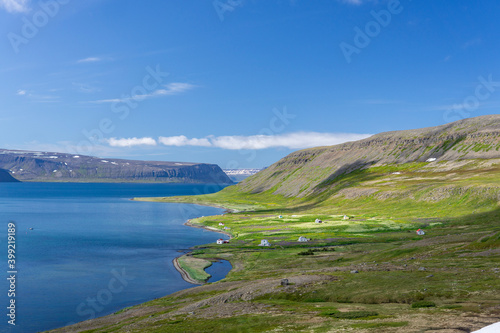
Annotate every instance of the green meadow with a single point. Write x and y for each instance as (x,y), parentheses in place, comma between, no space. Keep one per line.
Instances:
(363,269)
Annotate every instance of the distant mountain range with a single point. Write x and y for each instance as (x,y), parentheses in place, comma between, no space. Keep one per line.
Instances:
(59,167)
(238,175)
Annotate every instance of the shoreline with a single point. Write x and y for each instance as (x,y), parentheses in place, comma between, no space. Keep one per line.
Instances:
(185,275)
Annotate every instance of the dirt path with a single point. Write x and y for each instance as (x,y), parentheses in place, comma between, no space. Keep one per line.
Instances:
(184,274)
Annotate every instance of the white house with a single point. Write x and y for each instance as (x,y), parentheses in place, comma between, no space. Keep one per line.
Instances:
(303,239)
(221,224)
(264,242)
(420,232)
(318,221)
(220,241)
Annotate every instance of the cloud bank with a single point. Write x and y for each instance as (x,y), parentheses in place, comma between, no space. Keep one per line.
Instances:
(296,140)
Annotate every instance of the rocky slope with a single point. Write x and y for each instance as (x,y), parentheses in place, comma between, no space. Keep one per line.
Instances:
(5,177)
(309,171)
(44,166)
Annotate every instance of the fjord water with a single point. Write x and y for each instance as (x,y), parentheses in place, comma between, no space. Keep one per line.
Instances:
(93,251)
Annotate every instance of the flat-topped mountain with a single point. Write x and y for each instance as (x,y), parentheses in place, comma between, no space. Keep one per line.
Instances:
(310,171)
(45,166)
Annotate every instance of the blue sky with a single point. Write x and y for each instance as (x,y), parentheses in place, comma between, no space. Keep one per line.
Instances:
(238,83)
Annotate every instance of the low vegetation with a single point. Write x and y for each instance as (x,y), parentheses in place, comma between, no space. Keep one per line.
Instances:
(363,268)
(195,267)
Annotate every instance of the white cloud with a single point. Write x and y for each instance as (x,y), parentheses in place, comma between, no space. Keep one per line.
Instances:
(21,92)
(174,88)
(182,140)
(113,142)
(89,59)
(297,140)
(15,6)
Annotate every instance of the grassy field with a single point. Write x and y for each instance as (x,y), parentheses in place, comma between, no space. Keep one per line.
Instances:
(195,267)
(370,272)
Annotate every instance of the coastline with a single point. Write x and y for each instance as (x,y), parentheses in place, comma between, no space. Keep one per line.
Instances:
(193,225)
(185,275)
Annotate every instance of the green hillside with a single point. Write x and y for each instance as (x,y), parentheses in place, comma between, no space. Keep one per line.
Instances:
(364,268)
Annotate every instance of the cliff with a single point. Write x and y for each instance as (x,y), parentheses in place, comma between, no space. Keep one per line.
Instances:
(5,177)
(45,166)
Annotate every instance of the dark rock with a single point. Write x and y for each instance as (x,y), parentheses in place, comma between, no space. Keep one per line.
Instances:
(5,177)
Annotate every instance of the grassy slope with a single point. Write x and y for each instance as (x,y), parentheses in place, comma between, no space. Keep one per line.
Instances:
(455,266)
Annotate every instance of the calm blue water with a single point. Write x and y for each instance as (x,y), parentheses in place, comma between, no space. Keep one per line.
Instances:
(92,251)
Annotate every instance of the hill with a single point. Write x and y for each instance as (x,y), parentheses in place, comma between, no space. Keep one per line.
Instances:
(363,268)
(312,171)
(45,166)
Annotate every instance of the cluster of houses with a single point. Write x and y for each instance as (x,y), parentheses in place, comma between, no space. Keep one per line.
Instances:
(302,239)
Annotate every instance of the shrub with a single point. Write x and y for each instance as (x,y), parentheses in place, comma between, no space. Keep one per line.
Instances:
(423,304)
(306,253)
(353,314)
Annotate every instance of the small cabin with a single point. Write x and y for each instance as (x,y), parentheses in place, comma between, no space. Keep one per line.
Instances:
(264,242)
(220,241)
(303,239)
(221,224)
(318,221)
(420,232)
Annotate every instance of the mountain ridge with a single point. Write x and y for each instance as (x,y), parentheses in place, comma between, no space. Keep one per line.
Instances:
(62,167)
(306,171)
